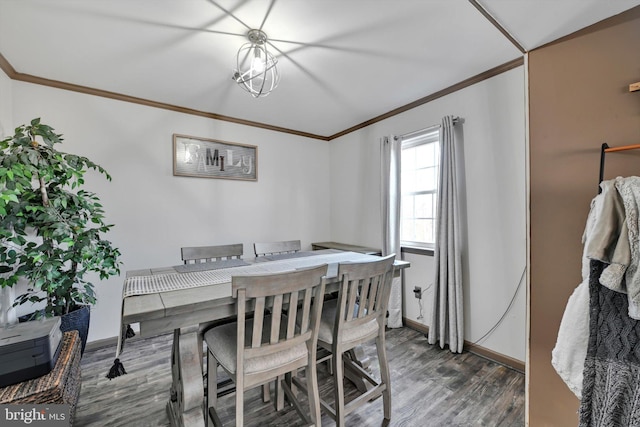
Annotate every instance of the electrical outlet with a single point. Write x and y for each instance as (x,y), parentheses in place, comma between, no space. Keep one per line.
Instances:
(417,292)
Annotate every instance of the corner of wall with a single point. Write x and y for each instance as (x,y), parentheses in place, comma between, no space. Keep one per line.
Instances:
(6,105)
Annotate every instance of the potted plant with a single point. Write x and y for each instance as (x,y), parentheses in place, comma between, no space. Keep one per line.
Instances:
(51,228)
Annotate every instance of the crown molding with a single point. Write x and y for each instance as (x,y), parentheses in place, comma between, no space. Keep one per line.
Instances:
(6,66)
(447,91)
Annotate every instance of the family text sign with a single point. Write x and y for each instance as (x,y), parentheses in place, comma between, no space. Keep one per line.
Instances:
(211,158)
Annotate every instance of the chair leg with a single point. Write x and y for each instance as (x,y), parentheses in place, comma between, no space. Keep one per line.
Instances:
(212,385)
(266,396)
(385,377)
(279,393)
(281,397)
(313,393)
(338,386)
(289,380)
(239,401)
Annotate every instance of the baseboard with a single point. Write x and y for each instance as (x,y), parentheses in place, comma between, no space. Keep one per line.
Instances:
(509,362)
(502,359)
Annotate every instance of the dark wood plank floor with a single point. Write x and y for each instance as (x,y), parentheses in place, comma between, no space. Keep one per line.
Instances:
(430,387)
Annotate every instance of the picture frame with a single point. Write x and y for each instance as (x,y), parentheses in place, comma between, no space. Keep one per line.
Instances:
(211,158)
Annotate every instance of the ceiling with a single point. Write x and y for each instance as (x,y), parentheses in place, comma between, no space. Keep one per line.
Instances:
(341,62)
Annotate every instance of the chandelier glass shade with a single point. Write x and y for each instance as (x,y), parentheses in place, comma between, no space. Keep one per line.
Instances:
(256,70)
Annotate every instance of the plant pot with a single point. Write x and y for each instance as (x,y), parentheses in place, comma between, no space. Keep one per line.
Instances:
(7,312)
(77,320)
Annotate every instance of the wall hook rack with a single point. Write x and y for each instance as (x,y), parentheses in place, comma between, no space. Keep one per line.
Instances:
(606,149)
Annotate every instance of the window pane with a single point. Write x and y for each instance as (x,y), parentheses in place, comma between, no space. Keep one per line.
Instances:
(425,155)
(420,157)
(434,200)
(408,181)
(406,230)
(425,179)
(421,231)
(424,230)
(423,206)
(408,159)
(407,207)
(421,179)
(430,231)
(432,180)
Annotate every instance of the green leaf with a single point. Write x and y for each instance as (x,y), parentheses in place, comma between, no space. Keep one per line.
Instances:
(64,245)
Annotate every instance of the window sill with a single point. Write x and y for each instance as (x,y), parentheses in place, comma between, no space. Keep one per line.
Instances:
(418,250)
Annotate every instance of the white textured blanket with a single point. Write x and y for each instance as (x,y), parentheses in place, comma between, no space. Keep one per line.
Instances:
(611,236)
(141,285)
(570,351)
(629,189)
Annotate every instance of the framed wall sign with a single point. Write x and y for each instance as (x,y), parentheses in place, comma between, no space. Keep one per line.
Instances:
(211,158)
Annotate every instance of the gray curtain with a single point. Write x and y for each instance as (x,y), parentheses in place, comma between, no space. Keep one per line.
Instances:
(447,322)
(391,150)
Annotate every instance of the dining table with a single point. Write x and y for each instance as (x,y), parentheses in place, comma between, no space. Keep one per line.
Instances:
(187,299)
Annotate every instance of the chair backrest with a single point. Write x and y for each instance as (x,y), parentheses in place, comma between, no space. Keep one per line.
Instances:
(300,292)
(197,254)
(274,248)
(364,293)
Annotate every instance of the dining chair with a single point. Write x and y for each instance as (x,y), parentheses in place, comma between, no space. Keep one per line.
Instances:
(198,254)
(274,248)
(358,316)
(203,254)
(271,344)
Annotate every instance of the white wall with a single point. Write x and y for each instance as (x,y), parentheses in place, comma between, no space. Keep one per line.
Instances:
(154,212)
(6,97)
(6,129)
(495,203)
(306,189)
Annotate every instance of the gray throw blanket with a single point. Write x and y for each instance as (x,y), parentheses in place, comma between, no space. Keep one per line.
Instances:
(611,384)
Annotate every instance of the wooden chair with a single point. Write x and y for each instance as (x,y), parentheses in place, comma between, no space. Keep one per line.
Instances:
(274,248)
(272,343)
(202,254)
(197,254)
(357,316)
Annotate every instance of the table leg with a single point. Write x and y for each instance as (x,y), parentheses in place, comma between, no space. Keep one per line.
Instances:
(357,356)
(185,407)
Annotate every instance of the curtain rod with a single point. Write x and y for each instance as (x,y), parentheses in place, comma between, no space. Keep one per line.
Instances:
(428,128)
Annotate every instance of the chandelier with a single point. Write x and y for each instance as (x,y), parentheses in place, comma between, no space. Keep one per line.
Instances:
(256,70)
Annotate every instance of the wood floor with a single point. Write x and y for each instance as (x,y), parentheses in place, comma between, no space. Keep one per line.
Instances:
(430,387)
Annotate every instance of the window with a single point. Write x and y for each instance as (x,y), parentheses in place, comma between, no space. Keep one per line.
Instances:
(419,187)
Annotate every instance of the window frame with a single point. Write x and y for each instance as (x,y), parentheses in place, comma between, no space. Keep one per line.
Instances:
(427,136)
